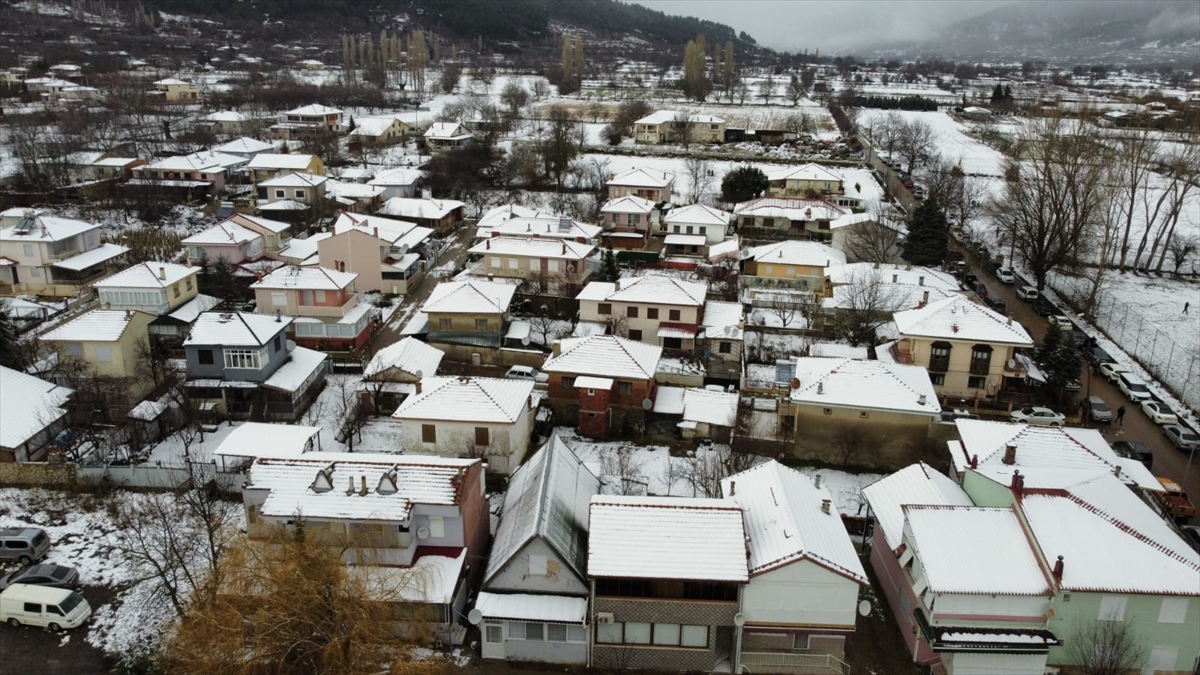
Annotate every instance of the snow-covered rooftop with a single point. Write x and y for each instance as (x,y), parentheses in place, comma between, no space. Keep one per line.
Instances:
(669,116)
(373,126)
(807,172)
(228,116)
(303,249)
(430,209)
(976,550)
(393,232)
(785,521)
(642,177)
(716,408)
(409,355)
(1036,447)
(398,176)
(268,160)
(27,405)
(250,222)
(299,368)
(447,131)
(44,228)
(791,208)
(698,214)
(294,180)
(525,607)
(793,252)
(469,297)
(686,538)
(148,275)
(722,320)
(198,162)
(545,227)
(655,289)
(244,146)
(268,441)
(227,232)
(914,484)
(866,385)
(314,109)
(236,329)
(627,204)
(467,399)
(98,325)
(100,254)
(188,311)
(312,278)
(956,318)
(560,249)
(605,356)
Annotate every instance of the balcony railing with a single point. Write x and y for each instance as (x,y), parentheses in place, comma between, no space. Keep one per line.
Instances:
(980,367)
(939,365)
(768,662)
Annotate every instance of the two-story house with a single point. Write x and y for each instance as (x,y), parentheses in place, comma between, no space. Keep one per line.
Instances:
(328,313)
(667,574)
(173,90)
(889,287)
(968,348)
(228,241)
(200,173)
(224,122)
(697,219)
(649,184)
(551,266)
(654,308)
(722,339)
(472,313)
(244,146)
(446,135)
(670,126)
(787,265)
(384,253)
(809,180)
(395,372)
(307,120)
(628,221)
(795,217)
(264,166)
(282,194)
(440,215)
(464,416)
(276,234)
(49,255)
(801,601)
(242,366)
(538,227)
(397,182)
(379,130)
(106,344)
(417,517)
(534,601)
(163,289)
(601,383)
(34,413)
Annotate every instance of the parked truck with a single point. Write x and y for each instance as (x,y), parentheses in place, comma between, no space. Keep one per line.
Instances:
(1174,500)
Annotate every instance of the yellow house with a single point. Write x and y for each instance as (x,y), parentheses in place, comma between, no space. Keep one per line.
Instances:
(802,181)
(969,350)
(153,287)
(265,166)
(106,342)
(791,264)
(177,91)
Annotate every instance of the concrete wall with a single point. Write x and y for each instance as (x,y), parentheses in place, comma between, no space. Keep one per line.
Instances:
(69,474)
(490,356)
(504,453)
(801,593)
(889,436)
(360,252)
(558,579)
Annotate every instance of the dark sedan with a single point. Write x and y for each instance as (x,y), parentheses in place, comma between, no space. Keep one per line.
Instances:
(45,574)
(1134,450)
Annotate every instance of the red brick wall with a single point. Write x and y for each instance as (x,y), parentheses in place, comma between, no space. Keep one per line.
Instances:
(473,505)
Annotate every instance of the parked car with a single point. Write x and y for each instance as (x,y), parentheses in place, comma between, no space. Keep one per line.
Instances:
(1044,307)
(45,574)
(918,192)
(1061,321)
(1133,387)
(1112,371)
(1037,416)
(526,373)
(45,606)
(1192,534)
(1160,412)
(1181,437)
(1028,293)
(1096,410)
(1073,385)
(23,544)
(1134,450)
(1006,275)
(1097,356)
(1174,500)
(949,416)
(998,306)
(980,290)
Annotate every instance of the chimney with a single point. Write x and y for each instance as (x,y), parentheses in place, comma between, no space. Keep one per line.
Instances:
(376,232)
(908,267)
(895,278)
(876,264)
(564,251)
(825,506)
(1117,471)
(488,244)
(924,297)
(1010,319)
(817,481)
(363,490)
(975,461)
(162,272)
(821,387)
(732,488)
(278,316)
(556,348)
(1018,484)
(128,314)
(921,281)
(1010,454)
(921,399)
(350,485)
(1058,569)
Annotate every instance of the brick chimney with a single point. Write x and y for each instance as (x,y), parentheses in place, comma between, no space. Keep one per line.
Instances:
(732,488)
(826,506)
(162,273)
(1058,569)
(1010,454)
(1018,484)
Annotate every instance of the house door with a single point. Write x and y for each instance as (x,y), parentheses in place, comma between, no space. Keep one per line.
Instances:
(493,641)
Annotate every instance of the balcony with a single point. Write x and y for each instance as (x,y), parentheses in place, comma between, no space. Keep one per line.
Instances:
(980,366)
(902,352)
(774,662)
(939,364)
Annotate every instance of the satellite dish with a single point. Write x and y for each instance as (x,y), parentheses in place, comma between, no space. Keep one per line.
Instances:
(525,341)
(739,619)
(647,404)
(423,533)
(474,616)
(419,374)
(795,383)
(864,608)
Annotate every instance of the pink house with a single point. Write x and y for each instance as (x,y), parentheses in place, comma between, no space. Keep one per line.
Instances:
(228,241)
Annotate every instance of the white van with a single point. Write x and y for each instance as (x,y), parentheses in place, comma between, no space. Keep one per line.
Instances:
(45,606)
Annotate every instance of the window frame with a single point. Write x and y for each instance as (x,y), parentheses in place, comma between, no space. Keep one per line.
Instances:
(429,433)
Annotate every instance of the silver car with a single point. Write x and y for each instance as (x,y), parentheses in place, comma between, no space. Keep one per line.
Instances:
(23,544)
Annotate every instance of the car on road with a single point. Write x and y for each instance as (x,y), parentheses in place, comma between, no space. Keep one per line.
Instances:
(527,373)
(1097,356)
(23,544)
(1112,371)
(1006,275)
(45,574)
(1044,307)
(45,606)
(949,416)
(1062,322)
(1181,437)
(918,192)
(998,306)
(1038,416)
(1133,387)
(1028,293)
(1159,412)
(1096,410)
(1134,450)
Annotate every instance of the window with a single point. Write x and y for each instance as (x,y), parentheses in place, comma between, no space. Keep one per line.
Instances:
(604,308)
(576,634)
(280,194)
(516,631)
(445,324)
(36,272)
(651,312)
(33,608)
(533,631)
(591,392)
(552,266)
(493,634)
(513,264)
(244,358)
(1163,659)
(278,299)
(863,414)
(938,379)
(725,348)
(635,335)
(556,632)
(676,229)
(981,359)
(607,633)
(673,315)
(767,270)
(689,229)
(568,383)
(535,264)
(800,642)
(428,433)
(481,325)
(537,565)
(625,389)
(103,354)
(299,193)
(637,633)
(1112,608)
(827,411)
(27,249)
(481,436)
(1173,610)
(976,382)
(176,289)
(632,312)
(666,634)
(939,357)
(320,296)
(276,342)
(437,527)
(204,356)
(703,230)
(694,636)
(495,261)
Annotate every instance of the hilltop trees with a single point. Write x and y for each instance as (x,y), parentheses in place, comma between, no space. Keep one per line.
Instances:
(570,77)
(695,76)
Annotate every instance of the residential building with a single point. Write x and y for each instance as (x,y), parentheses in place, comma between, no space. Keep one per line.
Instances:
(107,344)
(667,574)
(241,366)
(396,370)
(329,316)
(867,234)
(809,180)
(550,266)
(415,517)
(721,336)
(302,251)
(898,286)
(445,135)
(535,588)
(154,287)
(397,182)
(114,168)
(228,241)
(697,219)
(472,313)
(265,166)
(308,119)
(224,122)
(702,414)
(649,184)
(793,217)
(276,234)
(539,226)
(244,147)
(653,308)
(291,196)
(385,253)
(440,215)
(379,130)
(49,255)
(967,348)
(670,126)
(628,221)
(600,383)
(796,265)
(355,197)
(200,173)
(483,417)
(801,601)
(498,215)
(173,90)
(34,413)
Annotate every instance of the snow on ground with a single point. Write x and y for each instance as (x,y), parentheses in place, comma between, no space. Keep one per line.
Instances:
(951,140)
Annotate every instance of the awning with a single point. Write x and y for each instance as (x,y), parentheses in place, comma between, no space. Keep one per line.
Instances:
(518,330)
(522,607)
(668,400)
(283,205)
(688,424)
(590,382)
(625,235)
(92,258)
(684,240)
(675,332)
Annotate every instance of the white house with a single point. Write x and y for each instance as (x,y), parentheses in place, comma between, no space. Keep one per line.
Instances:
(697,219)
(33,412)
(444,135)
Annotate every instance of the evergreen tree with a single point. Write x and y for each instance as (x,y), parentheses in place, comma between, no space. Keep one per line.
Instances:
(11,354)
(927,232)
(1059,360)
(997,94)
(743,184)
(1008,94)
(611,270)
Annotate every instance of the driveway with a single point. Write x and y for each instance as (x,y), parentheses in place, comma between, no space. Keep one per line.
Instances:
(34,650)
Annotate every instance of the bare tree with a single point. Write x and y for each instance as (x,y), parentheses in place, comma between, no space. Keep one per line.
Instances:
(1182,170)
(707,467)
(622,470)
(1105,648)
(766,88)
(878,240)
(795,90)
(681,129)
(791,306)
(700,178)
(914,142)
(865,302)
(1132,168)
(742,89)
(1182,249)
(850,440)
(352,415)
(961,196)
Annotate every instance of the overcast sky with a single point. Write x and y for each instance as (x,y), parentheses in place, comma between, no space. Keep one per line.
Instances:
(828,25)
